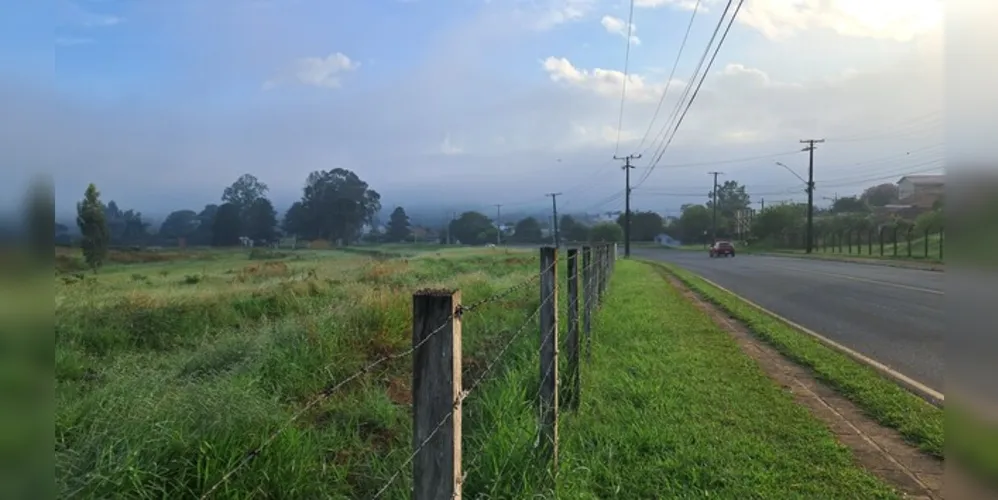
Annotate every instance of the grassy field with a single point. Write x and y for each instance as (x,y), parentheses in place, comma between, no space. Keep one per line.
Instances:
(170,370)
(918,421)
(671,408)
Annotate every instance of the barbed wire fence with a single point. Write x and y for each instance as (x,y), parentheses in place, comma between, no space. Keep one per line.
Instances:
(438,391)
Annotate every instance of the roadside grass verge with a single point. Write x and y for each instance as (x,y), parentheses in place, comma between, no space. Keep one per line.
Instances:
(162,385)
(921,423)
(672,408)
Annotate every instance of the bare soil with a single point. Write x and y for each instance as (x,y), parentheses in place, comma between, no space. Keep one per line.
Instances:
(880,450)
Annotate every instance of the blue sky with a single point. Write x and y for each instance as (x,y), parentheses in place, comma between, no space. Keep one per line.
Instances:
(452,104)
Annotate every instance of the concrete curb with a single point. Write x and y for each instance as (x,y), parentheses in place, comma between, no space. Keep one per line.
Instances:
(917,388)
(939,268)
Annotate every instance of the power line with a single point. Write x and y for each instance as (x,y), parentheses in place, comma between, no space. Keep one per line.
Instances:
(703,76)
(672,74)
(623,90)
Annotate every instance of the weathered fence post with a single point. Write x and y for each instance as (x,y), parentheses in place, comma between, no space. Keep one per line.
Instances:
(925,242)
(894,238)
(436,390)
(572,342)
(881,236)
(587,297)
(598,267)
(869,242)
(549,356)
(910,229)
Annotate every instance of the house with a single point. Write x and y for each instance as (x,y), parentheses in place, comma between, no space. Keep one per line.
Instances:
(666,240)
(921,191)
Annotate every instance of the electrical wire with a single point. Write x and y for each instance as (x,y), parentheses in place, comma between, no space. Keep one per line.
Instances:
(623,90)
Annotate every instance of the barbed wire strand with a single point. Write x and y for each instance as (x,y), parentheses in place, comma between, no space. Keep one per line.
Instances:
(507,292)
(465,393)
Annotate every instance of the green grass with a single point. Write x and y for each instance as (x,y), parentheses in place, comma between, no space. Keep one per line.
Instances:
(862,250)
(671,408)
(164,382)
(918,421)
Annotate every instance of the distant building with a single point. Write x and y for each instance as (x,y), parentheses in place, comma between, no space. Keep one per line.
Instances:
(921,191)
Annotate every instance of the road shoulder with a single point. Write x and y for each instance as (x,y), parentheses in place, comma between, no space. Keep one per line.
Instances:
(879,449)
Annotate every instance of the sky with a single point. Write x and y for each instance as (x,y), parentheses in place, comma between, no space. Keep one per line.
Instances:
(464,104)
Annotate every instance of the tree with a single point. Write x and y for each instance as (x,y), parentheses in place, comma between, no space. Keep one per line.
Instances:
(571,229)
(179,224)
(261,221)
(849,204)
(335,205)
(244,192)
(929,221)
(645,226)
(40,220)
(294,219)
(880,195)
(398,226)
(527,231)
(206,222)
(731,197)
(606,232)
(694,223)
(473,228)
(90,219)
(776,224)
(227,226)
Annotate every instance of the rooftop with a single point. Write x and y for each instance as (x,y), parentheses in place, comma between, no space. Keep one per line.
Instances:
(924,179)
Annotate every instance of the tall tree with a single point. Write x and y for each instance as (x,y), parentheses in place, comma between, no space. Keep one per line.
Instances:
(398,226)
(243,193)
(880,195)
(645,226)
(179,224)
(527,231)
(206,222)
(731,197)
(227,226)
(849,204)
(90,219)
(335,205)
(606,232)
(693,223)
(40,223)
(295,222)
(261,221)
(473,228)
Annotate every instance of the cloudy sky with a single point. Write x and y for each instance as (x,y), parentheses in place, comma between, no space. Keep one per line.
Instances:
(449,104)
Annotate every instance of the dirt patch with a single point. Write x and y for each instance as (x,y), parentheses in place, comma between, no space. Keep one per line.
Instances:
(880,450)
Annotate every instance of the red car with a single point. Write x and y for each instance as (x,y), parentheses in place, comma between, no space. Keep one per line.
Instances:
(722,249)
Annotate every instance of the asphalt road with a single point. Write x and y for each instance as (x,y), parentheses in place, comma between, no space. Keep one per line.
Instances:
(893,315)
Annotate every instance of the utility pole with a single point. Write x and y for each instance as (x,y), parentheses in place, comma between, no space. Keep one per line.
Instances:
(810,191)
(713,224)
(498,223)
(627,200)
(762,205)
(554,210)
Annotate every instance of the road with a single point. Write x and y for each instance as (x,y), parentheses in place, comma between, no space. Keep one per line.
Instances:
(893,315)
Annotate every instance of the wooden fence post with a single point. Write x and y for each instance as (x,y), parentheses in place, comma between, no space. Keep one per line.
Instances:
(597,276)
(572,342)
(894,237)
(925,242)
(549,356)
(910,229)
(436,390)
(869,242)
(881,235)
(587,297)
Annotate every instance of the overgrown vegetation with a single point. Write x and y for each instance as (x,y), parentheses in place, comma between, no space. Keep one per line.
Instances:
(164,382)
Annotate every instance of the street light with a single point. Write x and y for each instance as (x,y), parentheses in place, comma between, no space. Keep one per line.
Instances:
(792,172)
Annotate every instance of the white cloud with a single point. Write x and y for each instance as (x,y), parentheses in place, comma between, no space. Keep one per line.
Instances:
(681,4)
(605,82)
(72,14)
(899,20)
(316,71)
(617,26)
(449,148)
(553,13)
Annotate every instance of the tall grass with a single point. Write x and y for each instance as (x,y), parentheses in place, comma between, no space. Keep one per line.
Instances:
(162,385)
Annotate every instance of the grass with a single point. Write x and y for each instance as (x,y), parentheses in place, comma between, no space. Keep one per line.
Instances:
(164,381)
(671,408)
(920,423)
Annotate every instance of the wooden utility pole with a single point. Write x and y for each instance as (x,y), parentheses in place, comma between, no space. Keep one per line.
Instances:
(713,224)
(810,190)
(436,394)
(627,200)
(554,221)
